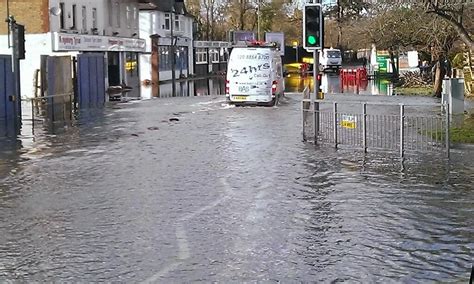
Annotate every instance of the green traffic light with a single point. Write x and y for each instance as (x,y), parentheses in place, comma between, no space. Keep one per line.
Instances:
(311,39)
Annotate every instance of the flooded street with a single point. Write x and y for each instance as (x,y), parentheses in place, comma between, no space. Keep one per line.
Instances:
(330,83)
(188,189)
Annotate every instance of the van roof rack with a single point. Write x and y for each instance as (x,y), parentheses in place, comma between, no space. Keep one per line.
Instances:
(256,43)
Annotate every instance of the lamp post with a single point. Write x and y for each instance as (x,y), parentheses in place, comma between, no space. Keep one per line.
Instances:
(258,20)
(295,46)
(7,20)
(173,59)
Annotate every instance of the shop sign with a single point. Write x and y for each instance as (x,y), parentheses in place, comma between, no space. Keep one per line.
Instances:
(77,42)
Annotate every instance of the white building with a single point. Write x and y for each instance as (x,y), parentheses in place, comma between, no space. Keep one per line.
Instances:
(109,27)
(166,26)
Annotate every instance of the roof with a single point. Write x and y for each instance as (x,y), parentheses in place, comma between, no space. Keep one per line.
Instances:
(164,5)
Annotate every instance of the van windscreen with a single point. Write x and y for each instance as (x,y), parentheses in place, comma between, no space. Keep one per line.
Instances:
(334,54)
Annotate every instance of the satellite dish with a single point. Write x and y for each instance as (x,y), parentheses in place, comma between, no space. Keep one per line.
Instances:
(56,11)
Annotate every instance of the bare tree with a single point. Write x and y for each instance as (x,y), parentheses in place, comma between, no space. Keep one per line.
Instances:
(454,12)
(457,13)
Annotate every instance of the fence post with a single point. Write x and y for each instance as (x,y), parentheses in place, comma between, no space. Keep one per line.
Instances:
(402,129)
(303,104)
(335,124)
(364,126)
(448,122)
(33,114)
(316,121)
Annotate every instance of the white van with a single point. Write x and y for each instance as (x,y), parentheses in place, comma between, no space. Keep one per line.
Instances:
(330,59)
(255,76)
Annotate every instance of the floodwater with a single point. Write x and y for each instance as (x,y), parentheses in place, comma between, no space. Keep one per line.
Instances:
(189,189)
(330,83)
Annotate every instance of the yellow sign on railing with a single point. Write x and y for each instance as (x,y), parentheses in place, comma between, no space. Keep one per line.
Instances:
(349,121)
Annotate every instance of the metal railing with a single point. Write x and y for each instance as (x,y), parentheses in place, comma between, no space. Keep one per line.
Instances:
(377,126)
(53,108)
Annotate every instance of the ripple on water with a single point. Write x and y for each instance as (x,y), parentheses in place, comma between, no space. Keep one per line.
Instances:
(226,195)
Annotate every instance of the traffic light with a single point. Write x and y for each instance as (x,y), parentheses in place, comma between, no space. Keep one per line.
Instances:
(313,26)
(19,40)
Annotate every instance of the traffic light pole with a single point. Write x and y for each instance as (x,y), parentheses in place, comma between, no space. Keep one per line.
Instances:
(14,31)
(314,97)
(316,73)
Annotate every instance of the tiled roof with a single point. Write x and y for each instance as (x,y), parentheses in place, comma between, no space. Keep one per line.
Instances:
(165,5)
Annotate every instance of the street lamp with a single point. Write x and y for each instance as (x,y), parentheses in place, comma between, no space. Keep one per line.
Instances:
(7,20)
(173,59)
(258,20)
(295,46)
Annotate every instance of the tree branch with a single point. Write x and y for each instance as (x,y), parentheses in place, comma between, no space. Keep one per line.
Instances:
(463,34)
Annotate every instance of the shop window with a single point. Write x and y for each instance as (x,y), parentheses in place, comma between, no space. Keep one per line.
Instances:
(131,64)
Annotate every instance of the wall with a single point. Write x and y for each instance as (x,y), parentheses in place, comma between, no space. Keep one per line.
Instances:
(33,14)
(42,46)
(153,23)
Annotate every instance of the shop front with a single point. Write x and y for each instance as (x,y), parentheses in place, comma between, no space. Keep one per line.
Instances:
(120,55)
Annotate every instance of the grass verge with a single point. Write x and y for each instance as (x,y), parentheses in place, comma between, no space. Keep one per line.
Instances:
(414,91)
(463,134)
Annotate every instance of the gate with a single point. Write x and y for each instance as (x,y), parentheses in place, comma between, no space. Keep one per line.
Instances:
(377,126)
(55,103)
(7,99)
(90,80)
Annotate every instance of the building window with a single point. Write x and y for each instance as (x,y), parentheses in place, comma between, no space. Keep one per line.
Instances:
(177,25)
(94,18)
(182,58)
(84,19)
(164,53)
(135,17)
(111,15)
(74,17)
(62,19)
(117,12)
(129,16)
(214,54)
(201,55)
(167,22)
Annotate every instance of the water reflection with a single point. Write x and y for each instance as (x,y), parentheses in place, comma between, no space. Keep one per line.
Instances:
(332,84)
(189,88)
